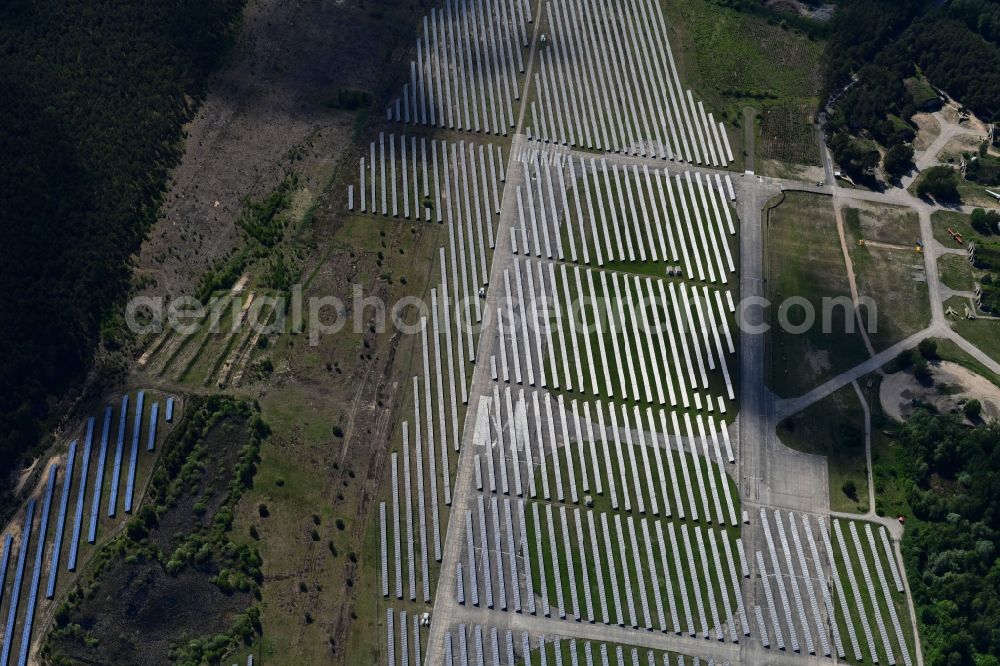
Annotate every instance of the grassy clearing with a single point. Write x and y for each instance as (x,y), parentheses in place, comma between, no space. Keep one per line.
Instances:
(942,220)
(974,194)
(333,429)
(834,427)
(956,272)
(734,60)
(894,278)
(897,225)
(804,260)
(984,333)
(949,351)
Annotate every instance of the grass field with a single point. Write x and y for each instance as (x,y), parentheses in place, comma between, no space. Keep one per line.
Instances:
(956,272)
(804,259)
(896,225)
(949,351)
(834,427)
(894,278)
(321,598)
(942,220)
(984,333)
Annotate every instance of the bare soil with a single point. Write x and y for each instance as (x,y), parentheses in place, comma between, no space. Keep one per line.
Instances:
(951,386)
(264,115)
(928,129)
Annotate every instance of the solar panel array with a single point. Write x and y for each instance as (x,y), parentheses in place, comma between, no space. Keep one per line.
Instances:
(852,608)
(82,472)
(508,648)
(623,401)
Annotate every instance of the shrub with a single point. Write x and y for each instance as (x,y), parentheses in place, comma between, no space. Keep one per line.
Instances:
(973,409)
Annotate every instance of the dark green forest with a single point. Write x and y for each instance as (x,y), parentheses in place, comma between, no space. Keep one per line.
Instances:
(887,44)
(94,96)
(949,476)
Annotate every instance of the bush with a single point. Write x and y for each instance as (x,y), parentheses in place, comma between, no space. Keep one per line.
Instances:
(850,489)
(136,531)
(928,349)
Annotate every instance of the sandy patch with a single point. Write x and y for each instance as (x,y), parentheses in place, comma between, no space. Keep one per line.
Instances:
(928,129)
(807,174)
(25,476)
(952,385)
(959,146)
